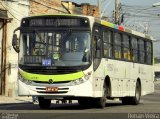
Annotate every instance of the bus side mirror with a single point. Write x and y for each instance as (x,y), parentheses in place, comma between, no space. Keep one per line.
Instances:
(15,43)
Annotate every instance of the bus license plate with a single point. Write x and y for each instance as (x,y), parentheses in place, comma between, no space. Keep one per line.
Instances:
(52,89)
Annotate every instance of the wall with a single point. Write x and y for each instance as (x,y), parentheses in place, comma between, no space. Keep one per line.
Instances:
(90,10)
(84,8)
(39,7)
(72,7)
(1,32)
(3,37)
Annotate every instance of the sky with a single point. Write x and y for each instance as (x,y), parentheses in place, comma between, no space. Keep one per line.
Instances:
(141,14)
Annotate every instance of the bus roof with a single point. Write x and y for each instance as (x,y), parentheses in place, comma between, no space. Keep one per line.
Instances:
(121,28)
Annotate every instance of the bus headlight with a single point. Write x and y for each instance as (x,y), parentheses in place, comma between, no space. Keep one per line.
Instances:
(81,80)
(28,82)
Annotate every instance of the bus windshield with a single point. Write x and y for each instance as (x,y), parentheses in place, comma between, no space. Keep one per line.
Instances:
(55,48)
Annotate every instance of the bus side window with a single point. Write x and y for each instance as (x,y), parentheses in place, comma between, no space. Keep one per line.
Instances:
(126,48)
(117,46)
(107,44)
(141,51)
(97,47)
(148,52)
(134,43)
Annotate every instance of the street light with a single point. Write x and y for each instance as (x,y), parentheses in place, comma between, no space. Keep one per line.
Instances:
(156,4)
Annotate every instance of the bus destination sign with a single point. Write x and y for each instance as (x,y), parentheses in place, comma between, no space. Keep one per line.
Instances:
(56,22)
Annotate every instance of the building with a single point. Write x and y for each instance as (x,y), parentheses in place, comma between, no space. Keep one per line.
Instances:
(39,7)
(84,8)
(62,7)
(3,38)
(14,12)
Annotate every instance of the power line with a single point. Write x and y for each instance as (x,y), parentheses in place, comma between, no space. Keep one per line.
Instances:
(105,7)
(15,11)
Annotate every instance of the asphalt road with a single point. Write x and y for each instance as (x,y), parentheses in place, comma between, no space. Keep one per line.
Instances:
(149,108)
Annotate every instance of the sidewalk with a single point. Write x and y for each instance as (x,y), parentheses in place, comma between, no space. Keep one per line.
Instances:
(14,100)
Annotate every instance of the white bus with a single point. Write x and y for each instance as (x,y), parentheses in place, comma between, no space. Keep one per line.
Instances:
(74,57)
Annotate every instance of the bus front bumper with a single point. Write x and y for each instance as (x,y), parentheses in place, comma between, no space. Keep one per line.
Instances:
(82,90)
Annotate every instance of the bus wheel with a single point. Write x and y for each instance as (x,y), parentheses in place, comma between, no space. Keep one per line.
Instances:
(44,103)
(101,102)
(136,99)
(133,100)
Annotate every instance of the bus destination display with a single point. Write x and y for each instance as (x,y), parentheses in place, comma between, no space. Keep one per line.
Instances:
(56,22)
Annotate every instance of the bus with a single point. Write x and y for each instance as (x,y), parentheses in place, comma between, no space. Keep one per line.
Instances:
(77,57)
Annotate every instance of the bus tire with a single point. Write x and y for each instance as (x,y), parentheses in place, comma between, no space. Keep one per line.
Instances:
(101,102)
(44,103)
(136,99)
(133,100)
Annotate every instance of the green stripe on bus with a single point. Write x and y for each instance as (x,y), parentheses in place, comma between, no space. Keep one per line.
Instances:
(55,78)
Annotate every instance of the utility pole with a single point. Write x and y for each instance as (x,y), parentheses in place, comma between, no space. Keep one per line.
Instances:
(117,14)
